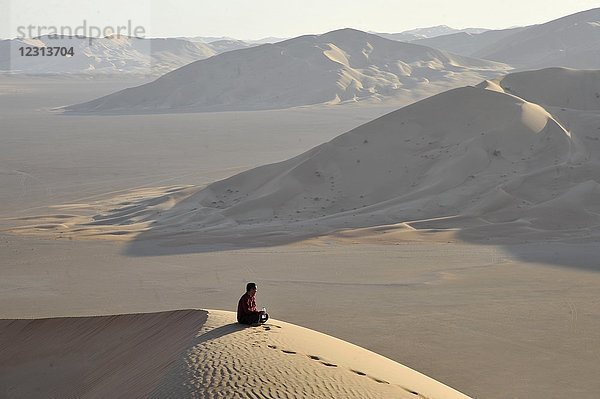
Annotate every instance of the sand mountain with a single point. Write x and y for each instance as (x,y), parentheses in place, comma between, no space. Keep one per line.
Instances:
(511,159)
(572,41)
(222,46)
(109,55)
(467,43)
(242,43)
(429,32)
(340,66)
(555,88)
(477,158)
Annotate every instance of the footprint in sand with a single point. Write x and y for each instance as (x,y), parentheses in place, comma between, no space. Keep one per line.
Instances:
(379,381)
(268,326)
(313,357)
(329,364)
(324,363)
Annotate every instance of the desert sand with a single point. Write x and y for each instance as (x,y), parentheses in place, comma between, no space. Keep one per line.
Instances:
(450,246)
(195,353)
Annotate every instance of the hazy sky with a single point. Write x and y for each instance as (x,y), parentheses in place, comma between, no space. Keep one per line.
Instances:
(261,18)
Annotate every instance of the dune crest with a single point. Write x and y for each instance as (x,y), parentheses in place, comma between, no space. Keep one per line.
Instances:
(555,87)
(570,41)
(195,353)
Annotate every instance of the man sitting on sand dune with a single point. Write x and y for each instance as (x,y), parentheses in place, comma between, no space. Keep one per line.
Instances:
(246,311)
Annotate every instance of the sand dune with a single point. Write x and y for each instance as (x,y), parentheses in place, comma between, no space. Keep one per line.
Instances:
(340,66)
(222,46)
(478,161)
(430,32)
(194,353)
(555,88)
(109,55)
(242,43)
(469,152)
(467,43)
(571,41)
(94,357)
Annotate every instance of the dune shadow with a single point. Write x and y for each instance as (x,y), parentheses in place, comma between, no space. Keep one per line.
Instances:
(93,356)
(147,245)
(219,332)
(553,248)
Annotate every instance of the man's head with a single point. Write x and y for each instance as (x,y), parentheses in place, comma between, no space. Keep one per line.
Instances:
(251,289)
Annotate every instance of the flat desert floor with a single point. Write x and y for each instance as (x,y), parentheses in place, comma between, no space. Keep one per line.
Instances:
(492,321)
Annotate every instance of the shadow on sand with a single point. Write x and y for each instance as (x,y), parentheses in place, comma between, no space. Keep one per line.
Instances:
(567,249)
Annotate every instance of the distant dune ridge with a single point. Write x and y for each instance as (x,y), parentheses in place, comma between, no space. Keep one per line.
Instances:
(466,43)
(340,66)
(430,32)
(194,354)
(109,55)
(572,41)
(347,66)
